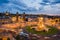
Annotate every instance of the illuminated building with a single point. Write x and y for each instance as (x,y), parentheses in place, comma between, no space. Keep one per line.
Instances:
(13,19)
(31,19)
(5,18)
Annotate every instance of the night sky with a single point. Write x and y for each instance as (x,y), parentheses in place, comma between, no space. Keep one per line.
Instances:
(31,6)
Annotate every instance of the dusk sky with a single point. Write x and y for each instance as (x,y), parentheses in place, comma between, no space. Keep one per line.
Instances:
(31,6)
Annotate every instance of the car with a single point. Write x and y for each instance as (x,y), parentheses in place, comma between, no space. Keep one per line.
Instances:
(23,34)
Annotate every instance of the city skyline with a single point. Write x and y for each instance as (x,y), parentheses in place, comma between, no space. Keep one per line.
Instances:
(29,19)
(31,6)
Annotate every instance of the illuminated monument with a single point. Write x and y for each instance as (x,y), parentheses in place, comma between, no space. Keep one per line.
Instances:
(41,25)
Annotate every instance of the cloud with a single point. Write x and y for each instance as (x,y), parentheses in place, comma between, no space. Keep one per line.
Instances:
(34,6)
(53,9)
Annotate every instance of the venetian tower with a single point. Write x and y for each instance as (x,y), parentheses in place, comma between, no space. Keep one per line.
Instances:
(17,15)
